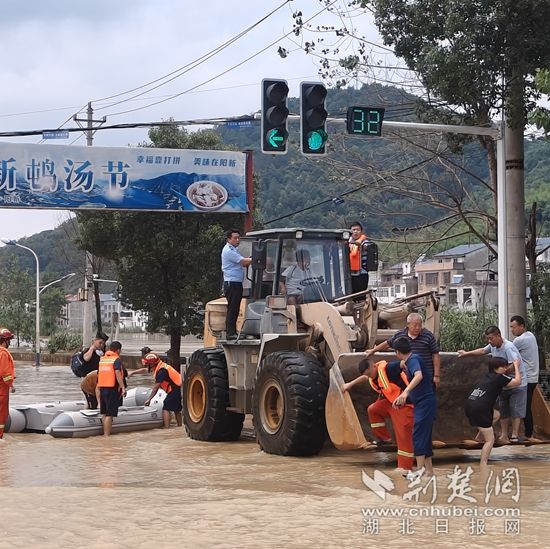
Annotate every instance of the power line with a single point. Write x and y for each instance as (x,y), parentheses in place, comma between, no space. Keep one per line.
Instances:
(223,72)
(345,193)
(189,66)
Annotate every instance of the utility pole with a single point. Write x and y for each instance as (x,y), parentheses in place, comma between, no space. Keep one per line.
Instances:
(87,304)
(89,128)
(88,273)
(515,208)
(510,199)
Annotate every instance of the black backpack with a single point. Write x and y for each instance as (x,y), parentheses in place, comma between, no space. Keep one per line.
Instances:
(79,367)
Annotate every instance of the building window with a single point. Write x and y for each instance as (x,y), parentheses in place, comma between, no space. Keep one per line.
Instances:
(447,277)
(432,279)
(466,295)
(383,292)
(453,299)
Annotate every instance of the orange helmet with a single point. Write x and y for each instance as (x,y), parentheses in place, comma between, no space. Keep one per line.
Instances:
(151,359)
(6,334)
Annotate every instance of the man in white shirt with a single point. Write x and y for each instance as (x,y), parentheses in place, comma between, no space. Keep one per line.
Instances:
(526,344)
(294,276)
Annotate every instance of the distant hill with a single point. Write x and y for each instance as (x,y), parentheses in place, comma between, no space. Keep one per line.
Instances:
(294,183)
(58,255)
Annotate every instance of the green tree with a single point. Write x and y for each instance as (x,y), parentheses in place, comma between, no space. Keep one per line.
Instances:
(475,57)
(51,301)
(540,116)
(16,295)
(168,263)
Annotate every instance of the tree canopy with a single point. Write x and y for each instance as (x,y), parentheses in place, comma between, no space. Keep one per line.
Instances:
(168,263)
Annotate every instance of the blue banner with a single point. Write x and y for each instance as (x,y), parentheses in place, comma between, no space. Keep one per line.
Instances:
(66,177)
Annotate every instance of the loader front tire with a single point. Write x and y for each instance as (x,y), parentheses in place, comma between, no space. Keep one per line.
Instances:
(206,398)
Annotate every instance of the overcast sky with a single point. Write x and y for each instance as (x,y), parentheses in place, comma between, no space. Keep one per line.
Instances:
(60,54)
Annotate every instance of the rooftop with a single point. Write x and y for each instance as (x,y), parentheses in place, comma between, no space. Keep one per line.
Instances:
(459,251)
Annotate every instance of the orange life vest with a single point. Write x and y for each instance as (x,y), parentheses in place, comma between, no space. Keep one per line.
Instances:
(383,385)
(106,376)
(7,369)
(175,377)
(355,253)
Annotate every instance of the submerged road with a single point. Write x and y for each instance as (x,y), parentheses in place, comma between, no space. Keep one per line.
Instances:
(161,489)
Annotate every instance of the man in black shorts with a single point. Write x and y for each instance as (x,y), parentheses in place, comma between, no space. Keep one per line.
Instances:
(480,404)
(110,380)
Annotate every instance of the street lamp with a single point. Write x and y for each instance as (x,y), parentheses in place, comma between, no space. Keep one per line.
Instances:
(56,281)
(14,243)
(96,279)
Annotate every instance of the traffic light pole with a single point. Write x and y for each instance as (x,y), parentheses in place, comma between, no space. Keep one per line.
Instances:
(497,134)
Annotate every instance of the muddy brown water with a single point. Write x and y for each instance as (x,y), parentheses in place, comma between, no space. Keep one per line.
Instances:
(160,489)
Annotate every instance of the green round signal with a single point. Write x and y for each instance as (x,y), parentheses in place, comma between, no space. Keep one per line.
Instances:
(316,139)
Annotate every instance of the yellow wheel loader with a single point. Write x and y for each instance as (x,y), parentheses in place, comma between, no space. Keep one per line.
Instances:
(297,318)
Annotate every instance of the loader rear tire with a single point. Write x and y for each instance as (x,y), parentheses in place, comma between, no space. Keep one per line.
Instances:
(206,398)
(288,404)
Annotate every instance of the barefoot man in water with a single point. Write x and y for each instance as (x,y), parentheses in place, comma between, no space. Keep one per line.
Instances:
(7,375)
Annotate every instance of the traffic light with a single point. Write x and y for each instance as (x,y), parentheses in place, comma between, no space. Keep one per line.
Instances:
(274,116)
(365,120)
(313,118)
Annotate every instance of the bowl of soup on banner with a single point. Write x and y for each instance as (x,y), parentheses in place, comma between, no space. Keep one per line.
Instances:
(207,195)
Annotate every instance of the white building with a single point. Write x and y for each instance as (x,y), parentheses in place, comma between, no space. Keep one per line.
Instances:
(111,310)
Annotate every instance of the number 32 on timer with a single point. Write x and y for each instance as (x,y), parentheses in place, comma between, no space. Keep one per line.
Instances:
(364,120)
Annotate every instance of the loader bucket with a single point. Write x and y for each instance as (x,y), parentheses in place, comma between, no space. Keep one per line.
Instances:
(343,426)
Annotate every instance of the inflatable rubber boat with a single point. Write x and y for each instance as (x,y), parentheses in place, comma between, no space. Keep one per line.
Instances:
(36,417)
(86,423)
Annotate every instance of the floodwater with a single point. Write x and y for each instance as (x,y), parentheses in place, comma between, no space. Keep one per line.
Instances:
(161,489)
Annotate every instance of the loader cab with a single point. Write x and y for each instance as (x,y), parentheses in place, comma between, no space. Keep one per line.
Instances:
(306,265)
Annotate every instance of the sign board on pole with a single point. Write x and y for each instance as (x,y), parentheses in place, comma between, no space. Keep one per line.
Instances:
(55,134)
(66,177)
(238,124)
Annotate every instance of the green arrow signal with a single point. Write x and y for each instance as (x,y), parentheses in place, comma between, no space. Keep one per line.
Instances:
(276,138)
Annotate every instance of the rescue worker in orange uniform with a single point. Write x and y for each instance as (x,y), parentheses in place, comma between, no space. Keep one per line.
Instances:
(389,381)
(110,381)
(359,276)
(169,380)
(7,375)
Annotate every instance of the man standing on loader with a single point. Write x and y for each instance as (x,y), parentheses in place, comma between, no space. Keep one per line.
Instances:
(359,276)
(389,381)
(422,342)
(233,273)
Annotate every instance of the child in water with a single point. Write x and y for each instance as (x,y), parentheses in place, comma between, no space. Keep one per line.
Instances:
(480,404)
